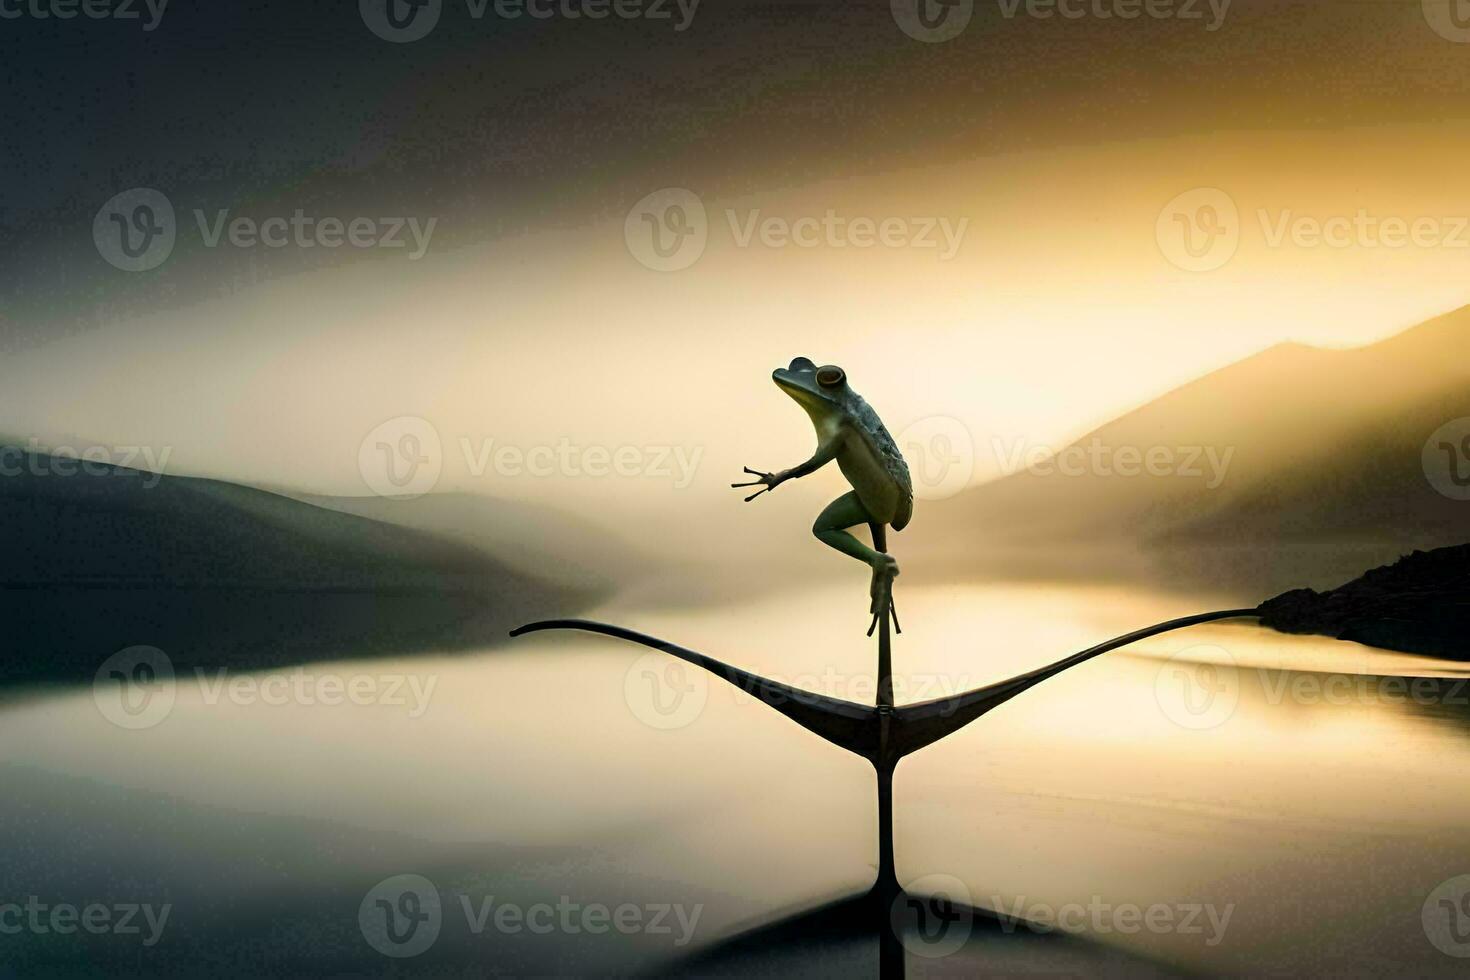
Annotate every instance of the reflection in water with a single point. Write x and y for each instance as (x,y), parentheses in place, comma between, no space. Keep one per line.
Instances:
(1225,766)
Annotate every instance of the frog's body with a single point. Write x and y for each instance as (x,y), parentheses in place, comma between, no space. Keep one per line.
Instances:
(849,431)
(871,462)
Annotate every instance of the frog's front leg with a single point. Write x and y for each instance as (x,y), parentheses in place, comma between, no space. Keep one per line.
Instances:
(831,529)
(825,453)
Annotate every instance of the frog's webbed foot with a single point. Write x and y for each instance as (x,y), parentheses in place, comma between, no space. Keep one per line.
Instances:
(880,593)
(766,481)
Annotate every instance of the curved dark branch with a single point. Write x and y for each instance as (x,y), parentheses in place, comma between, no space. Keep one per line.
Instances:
(855,727)
(918,725)
(844,724)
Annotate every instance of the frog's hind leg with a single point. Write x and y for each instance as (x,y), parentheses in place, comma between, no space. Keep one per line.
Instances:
(832,524)
(879,531)
(831,529)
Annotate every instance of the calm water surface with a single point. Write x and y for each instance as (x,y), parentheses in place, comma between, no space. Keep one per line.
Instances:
(1280,782)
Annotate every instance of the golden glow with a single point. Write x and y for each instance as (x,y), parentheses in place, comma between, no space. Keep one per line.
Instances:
(1058,311)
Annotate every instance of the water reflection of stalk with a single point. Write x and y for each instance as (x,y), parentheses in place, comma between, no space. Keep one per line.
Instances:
(883,733)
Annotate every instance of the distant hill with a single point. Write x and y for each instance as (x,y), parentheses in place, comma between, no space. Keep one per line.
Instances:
(220,574)
(1419,604)
(547,543)
(1324,469)
(123,527)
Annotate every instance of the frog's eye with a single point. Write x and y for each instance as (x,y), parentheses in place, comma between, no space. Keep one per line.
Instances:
(830,376)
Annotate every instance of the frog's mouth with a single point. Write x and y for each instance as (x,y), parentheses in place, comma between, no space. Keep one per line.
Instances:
(798,384)
(784,378)
(798,378)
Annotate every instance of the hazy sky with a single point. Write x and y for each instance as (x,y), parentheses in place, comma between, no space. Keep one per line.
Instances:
(1048,150)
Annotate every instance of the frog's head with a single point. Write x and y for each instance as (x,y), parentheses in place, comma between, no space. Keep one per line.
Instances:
(819,390)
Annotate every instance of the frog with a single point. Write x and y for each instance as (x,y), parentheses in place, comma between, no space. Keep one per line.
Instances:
(882,494)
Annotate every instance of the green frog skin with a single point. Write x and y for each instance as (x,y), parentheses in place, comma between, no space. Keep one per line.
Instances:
(850,432)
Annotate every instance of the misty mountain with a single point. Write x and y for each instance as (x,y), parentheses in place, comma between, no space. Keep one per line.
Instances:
(545,542)
(107,525)
(1300,461)
(105,557)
